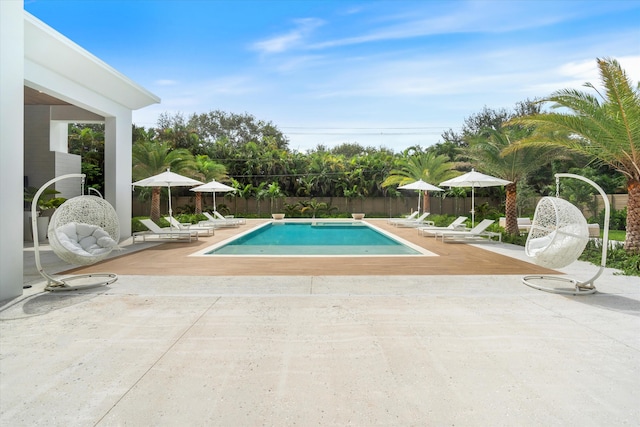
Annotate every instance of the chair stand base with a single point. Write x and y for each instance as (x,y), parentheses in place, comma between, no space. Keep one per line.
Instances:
(80,282)
(578,288)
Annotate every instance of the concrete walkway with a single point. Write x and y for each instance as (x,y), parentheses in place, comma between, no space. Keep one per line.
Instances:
(322,350)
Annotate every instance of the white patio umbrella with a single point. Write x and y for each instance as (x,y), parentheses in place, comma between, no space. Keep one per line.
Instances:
(214,187)
(474,179)
(167,179)
(421,186)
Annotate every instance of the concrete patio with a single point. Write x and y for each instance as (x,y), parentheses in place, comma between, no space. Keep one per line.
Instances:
(361,350)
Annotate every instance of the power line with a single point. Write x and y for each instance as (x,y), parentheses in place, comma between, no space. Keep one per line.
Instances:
(364,128)
(363,133)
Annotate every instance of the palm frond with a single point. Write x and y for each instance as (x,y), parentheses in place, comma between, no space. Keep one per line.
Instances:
(607,129)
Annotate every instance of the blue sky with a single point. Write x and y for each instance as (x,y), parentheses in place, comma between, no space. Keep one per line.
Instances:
(379,73)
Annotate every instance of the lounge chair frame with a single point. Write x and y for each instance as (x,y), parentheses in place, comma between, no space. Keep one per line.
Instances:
(219,221)
(457,224)
(207,230)
(416,222)
(163,234)
(476,233)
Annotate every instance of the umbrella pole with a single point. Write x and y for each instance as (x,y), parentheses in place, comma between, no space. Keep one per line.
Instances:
(214,202)
(170,211)
(473,207)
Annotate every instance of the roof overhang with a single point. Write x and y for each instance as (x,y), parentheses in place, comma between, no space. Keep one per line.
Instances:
(50,49)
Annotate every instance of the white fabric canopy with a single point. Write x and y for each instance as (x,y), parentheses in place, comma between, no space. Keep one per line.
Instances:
(167,179)
(421,186)
(214,187)
(474,179)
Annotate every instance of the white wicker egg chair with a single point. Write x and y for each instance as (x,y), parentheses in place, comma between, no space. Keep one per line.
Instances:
(558,236)
(82,231)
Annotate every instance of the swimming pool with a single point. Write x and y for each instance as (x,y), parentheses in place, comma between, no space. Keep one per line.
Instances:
(315,238)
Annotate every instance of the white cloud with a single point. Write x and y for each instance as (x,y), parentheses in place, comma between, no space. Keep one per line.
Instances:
(294,38)
(458,17)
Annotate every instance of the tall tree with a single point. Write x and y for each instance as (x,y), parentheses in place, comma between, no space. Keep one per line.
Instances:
(235,129)
(426,166)
(87,141)
(604,126)
(489,153)
(207,170)
(151,158)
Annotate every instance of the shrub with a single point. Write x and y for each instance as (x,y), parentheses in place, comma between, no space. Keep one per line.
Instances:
(190,218)
(628,263)
(617,220)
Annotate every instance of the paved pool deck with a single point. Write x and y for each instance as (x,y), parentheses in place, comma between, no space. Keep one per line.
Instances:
(332,350)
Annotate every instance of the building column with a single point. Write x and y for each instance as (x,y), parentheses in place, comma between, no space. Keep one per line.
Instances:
(117,154)
(11,147)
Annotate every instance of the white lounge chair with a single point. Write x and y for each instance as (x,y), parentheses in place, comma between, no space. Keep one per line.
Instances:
(163,234)
(201,230)
(219,221)
(414,215)
(418,222)
(229,218)
(457,224)
(477,232)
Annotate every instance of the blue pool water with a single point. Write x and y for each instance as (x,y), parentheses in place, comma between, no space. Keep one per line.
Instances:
(314,238)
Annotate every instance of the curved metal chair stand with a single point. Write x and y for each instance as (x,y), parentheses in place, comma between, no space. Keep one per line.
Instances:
(558,236)
(96,219)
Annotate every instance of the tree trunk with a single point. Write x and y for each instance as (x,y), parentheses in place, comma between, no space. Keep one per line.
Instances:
(155,204)
(426,202)
(511,211)
(198,202)
(632,241)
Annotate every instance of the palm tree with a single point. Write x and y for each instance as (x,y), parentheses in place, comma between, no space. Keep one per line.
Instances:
(427,166)
(272,192)
(207,170)
(244,191)
(315,207)
(489,154)
(151,158)
(604,127)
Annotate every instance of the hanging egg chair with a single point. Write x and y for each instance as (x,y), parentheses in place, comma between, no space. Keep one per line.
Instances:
(558,236)
(82,231)
(558,233)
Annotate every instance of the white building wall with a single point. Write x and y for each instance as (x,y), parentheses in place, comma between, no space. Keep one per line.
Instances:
(11,149)
(59,136)
(117,158)
(46,151)
(66,163)
(39,166)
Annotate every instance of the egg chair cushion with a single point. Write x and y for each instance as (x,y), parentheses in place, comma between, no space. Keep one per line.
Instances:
(83,230)
(536,245)
(85,239)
